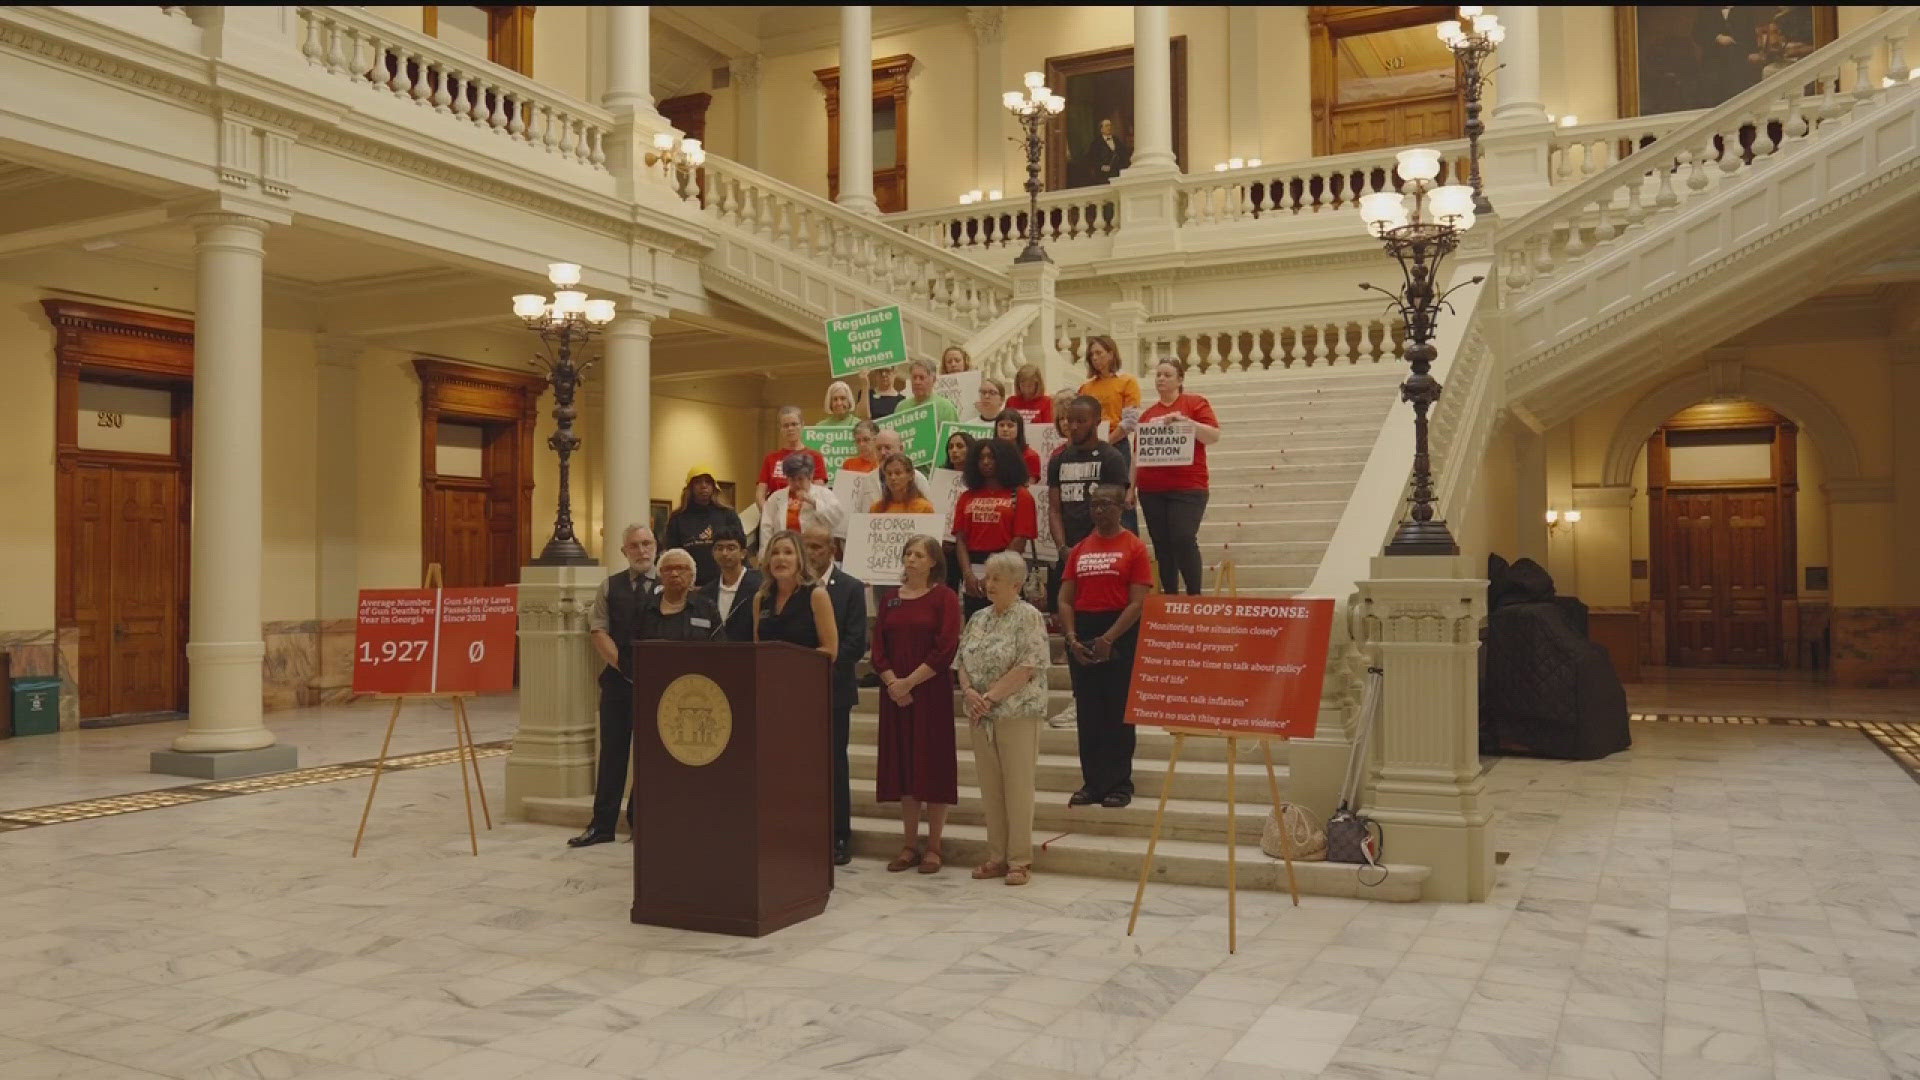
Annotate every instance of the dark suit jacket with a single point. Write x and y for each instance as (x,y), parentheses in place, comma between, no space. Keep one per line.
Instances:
(1104,164)
(739,622)
(849,596)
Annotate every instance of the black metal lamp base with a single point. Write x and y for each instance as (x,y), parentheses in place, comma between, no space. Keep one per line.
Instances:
(1481,204)
(564,552)
(1033,253)
(1422,538)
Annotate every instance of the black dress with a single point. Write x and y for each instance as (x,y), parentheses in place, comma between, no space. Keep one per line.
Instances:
(794,624)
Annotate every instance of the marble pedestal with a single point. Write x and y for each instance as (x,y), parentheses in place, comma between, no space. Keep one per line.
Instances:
(559,699)
(225,764)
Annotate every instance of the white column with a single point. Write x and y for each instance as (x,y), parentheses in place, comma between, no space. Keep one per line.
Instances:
(629,59)
(1423,615)
(1152,92)
(626,430)
(991,124)
(224,646)
(1518,99)
(856,110)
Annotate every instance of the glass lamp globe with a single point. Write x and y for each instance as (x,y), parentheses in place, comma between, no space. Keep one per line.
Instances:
(1449,32)
(564,275)
(1056,104)
(1013,99)
(1419,164)
(1033,79)
(1470,12)
(663,141)
(1485,24)
(1383,211)
(569,302)
(1451,201)
(529,305)
(600,312)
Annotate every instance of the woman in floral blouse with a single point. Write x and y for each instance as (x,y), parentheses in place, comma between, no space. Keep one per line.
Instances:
(1003,675)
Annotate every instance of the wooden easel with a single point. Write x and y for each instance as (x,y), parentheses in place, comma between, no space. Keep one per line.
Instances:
(463,738)
(1224,584)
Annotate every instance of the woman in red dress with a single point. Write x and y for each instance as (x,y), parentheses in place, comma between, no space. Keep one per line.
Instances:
(914,640)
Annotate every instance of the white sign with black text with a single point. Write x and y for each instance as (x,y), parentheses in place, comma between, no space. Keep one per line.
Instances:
(1164,444)
(875,543)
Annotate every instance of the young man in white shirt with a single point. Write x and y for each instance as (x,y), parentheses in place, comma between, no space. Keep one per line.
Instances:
(733,587)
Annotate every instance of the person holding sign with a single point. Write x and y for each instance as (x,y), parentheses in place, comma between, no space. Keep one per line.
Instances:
(954,359)
(866,448)
(612,621)
(839,406)
(914,641)
(920,380)
(799,503)
(698,521)
(791,606)
(791,442)
(1173,497)
(1002,665)
(1030,398)
(900,488)
(995,513)
(1011,427)
(1106,581)
(883,393)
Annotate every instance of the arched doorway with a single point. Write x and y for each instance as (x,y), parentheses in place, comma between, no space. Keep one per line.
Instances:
(1722,483)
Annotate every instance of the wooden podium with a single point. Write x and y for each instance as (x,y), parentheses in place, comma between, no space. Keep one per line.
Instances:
(732,785)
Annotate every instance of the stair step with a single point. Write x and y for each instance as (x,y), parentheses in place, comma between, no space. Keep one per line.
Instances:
(1059,774)
(1279,454)
(1175,862)
(1151,742)
(1266,491)
(1319,531)
(1256,578)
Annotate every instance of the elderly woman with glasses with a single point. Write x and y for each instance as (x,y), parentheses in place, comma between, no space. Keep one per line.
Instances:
(1002,665)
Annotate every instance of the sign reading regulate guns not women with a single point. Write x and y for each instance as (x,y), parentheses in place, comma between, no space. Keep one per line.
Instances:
(1235,665)
(866,340)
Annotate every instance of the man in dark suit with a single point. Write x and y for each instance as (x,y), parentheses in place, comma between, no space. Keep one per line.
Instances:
(733,587)
(1107,156)
(611,623)
(849,596)
(1725,37)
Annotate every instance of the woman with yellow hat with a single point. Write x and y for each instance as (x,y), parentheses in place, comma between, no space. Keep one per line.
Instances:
(698,519)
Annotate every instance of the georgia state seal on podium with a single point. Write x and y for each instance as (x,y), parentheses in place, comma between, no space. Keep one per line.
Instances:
(694,719)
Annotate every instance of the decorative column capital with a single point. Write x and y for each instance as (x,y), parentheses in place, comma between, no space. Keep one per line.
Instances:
(989,23)
(745,71)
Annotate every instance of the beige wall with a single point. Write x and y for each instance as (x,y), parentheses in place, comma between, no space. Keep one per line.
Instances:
(289,421)
(26,448)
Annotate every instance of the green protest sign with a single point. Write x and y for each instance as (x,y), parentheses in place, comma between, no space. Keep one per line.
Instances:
(919,432)
(866,340)
(834,443)
(979,429)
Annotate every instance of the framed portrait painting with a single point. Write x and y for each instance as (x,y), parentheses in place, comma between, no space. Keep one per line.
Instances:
(1092,141)
(1689,56)
(659,510)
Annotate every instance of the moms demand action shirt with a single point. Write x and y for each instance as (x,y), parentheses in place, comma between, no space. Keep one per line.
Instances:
(1102,570)
(989,519)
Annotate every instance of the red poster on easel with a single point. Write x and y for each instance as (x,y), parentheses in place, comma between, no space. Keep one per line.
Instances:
(434,641)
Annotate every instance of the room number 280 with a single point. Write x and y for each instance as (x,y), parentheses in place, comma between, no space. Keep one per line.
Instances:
(392,652)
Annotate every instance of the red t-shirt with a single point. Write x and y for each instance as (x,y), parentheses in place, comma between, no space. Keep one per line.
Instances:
(1032,458)
(1103,570)
(771,475)
(989,519)
(1034,410)
(1179,477)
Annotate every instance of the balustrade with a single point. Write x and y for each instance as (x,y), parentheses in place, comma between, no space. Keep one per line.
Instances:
(385,59)
(1228,346)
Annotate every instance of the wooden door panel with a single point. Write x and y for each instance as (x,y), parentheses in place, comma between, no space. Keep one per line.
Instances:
(1364,129)
(1748,587)
(1428,121)
(146,505)
(92,570)
(464,536)
(1694,636)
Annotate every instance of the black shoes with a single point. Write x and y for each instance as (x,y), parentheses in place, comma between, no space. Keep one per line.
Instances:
(842,853)
(1117,799)
(1081,798)
(591,837)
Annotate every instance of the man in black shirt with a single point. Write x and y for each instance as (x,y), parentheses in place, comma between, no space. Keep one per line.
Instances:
(694,525)
(1085,463)
(612,622)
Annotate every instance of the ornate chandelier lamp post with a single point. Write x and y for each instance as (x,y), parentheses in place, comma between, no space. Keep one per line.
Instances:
(565,323)
(1420,224)
(1473,37)
(1032,109)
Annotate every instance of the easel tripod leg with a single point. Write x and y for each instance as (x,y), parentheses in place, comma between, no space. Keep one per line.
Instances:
(472,755)
(377,767)
(1233,846)
(1153,839)
(466,787)
(1286,836)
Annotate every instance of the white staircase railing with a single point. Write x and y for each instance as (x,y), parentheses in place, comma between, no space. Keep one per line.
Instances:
(1276,339)
(1813,145)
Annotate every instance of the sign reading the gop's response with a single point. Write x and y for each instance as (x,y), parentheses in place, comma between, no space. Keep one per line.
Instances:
(1163,444)
(834,443)
(434,641)
(866,340)
(918,426)
(1232,665)
(876,541)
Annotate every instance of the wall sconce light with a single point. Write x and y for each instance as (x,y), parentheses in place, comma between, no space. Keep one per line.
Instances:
(1557,518)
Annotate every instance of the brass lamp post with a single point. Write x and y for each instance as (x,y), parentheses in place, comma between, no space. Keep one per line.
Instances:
(565,322)
(1473,37)
(1032,110)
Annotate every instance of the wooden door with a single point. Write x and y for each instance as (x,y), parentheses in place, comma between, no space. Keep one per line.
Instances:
(144,530)
(126,566)
(1723,588)
(464,539)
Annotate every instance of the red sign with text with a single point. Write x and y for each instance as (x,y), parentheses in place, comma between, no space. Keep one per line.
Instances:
(434,641)
(1238,666)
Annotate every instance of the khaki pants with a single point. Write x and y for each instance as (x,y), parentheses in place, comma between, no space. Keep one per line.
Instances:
(1006,786)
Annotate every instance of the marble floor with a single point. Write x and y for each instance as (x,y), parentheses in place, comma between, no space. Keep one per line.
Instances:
(1719,903)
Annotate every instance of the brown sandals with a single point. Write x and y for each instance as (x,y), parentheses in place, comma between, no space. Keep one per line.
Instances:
(989,870)
(930,862)
(907,859)
(1017,875)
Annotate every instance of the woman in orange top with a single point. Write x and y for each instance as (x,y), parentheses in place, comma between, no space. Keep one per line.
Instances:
(899,489)
(1116,391)
(866,456)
